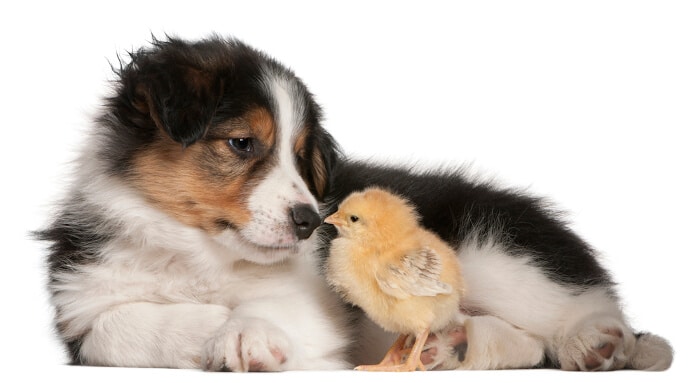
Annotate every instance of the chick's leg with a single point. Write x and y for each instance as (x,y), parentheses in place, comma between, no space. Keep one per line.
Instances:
(413,360)
(392,358)
(395,353)
(390,361)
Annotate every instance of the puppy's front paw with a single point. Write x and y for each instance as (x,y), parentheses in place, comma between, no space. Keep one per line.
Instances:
(246,344)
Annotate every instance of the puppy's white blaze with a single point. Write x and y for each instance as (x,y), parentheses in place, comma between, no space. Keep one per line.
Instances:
(271,201)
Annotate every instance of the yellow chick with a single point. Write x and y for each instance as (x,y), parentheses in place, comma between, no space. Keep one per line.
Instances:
(404,277)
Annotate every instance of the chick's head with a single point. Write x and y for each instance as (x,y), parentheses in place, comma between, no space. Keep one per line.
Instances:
(373,214)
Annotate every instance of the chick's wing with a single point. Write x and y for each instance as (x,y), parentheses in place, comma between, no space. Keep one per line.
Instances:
(416,274)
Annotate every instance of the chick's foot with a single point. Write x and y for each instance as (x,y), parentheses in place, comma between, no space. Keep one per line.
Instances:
(401,357)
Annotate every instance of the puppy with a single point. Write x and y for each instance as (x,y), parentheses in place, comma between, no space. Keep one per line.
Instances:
(187,237)
(190,238)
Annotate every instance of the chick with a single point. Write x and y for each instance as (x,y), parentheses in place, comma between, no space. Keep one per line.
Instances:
(404,277)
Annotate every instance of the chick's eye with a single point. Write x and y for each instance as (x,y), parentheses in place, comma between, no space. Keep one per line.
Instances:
(241,145)
(354,218)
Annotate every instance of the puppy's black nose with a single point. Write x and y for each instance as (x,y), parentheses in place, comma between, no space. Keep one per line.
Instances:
(305,220)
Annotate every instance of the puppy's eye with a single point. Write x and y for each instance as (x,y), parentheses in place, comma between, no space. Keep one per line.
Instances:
(354,218)
(242,145)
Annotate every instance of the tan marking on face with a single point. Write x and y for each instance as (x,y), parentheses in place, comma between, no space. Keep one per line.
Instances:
(206,183)
(320,173)
(256,123)
(318,166)
(262,125)
(300,143)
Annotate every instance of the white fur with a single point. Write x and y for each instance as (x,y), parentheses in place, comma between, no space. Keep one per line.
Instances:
(283,187)
(492,344)
(519,293)
(164,294)
(164,288)
(527,316)
(651,353)
(168,295)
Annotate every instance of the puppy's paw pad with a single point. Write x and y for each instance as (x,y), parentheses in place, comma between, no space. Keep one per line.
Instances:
(445,349)
(597,347)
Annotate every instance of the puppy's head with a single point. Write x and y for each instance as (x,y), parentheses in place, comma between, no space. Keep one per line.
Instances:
(224,139)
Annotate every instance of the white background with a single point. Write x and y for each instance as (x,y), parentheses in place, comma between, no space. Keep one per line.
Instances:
(595,104)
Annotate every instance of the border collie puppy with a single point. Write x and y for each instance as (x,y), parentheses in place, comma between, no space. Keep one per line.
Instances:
(189,238)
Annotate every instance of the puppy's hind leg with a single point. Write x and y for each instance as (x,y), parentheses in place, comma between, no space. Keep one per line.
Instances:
(604,343)
(483,343)
(596,337)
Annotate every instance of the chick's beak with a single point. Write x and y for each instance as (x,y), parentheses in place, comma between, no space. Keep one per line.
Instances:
(334,219)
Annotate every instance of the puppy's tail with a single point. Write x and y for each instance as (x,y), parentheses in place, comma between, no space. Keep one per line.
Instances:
(651,353)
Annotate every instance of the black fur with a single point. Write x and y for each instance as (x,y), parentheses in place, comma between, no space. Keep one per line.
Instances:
(75,238)
(182,89)
(457,209)
(76,235)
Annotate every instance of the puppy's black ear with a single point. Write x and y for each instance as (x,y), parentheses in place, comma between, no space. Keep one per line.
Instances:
(324,156)
(182,101)
(172,86)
